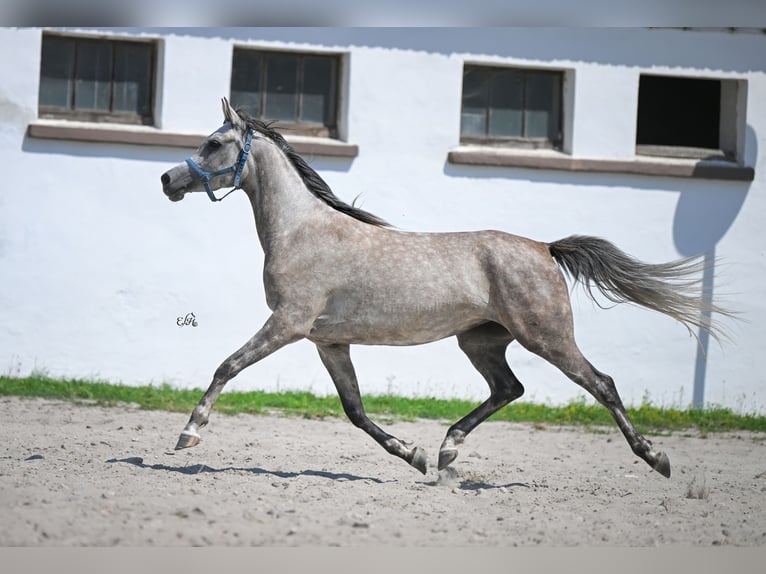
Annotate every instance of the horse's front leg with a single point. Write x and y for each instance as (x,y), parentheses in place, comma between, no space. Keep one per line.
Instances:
(337,360)
(275,334)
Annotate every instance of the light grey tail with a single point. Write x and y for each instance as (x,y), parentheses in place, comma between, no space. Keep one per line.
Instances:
(675,288)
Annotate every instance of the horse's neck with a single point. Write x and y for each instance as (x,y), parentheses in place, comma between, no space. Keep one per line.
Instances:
(281,204)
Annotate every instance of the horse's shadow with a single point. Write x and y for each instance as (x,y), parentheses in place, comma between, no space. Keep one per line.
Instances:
(475,485)
(479,485)
(449,479)
(203,468)
(454,478)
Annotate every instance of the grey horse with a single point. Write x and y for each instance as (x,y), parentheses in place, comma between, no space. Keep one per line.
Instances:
(337,275)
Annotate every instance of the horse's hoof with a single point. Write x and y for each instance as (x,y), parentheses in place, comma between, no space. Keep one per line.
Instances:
(446,456)
(420,460)
(662,464)
(187,440)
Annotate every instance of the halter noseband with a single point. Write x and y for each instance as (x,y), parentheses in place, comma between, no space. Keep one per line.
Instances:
(206,176)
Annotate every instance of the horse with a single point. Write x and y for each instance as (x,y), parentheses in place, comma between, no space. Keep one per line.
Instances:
(337,275)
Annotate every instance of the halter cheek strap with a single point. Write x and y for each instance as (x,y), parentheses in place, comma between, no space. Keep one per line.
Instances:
(206,176)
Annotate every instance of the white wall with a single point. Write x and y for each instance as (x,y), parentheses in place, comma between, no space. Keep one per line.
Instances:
(96,264)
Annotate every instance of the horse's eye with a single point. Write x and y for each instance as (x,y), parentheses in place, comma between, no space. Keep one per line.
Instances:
(213,144)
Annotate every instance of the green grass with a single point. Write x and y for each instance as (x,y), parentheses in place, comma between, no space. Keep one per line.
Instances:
(647,417)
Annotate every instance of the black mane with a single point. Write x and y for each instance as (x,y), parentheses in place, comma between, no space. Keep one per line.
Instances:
(314,183)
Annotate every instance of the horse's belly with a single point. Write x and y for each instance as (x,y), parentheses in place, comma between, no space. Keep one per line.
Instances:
(394,325)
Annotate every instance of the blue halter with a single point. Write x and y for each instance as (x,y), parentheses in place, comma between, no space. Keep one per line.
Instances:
(206,176)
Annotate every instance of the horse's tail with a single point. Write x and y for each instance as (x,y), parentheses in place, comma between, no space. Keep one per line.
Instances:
(675,289)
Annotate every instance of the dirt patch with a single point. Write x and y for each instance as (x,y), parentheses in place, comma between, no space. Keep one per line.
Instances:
(76,475)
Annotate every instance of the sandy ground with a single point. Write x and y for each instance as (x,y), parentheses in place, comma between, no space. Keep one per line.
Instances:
(78,475)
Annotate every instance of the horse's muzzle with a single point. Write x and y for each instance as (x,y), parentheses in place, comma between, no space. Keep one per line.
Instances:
(175,182)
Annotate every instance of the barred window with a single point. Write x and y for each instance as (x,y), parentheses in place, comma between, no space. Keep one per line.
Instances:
(511,106)
(299,90)
(97,80)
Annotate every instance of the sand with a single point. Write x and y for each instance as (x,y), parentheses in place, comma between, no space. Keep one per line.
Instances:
(82,475)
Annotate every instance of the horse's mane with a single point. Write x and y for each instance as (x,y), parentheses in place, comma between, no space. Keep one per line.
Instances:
(311,179)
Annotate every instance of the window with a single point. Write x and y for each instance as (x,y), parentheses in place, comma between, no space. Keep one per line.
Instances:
(687,117)
(297,90)
(511,106)
(96,80)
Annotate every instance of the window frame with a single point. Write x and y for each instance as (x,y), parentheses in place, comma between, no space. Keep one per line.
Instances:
(302,128)
(98,116)
(518,142)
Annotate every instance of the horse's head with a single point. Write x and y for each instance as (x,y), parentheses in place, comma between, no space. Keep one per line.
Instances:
(219,162)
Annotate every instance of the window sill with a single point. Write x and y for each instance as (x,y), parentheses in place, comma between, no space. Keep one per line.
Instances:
(654,166)
(147,136)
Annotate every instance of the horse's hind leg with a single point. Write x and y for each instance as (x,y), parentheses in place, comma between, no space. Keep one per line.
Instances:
(540,318)
(602,387)
(570,360)
(337,360)
(485,347)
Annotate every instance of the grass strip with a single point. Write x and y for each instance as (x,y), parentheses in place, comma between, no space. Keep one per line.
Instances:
(647,417)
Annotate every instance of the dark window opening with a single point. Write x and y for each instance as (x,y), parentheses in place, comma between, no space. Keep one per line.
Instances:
(96,80)
(297,90)
(678,113)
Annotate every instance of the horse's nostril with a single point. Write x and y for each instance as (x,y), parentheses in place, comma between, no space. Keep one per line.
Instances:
(165,179)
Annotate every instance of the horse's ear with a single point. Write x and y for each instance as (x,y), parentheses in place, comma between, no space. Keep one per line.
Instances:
(230,115)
